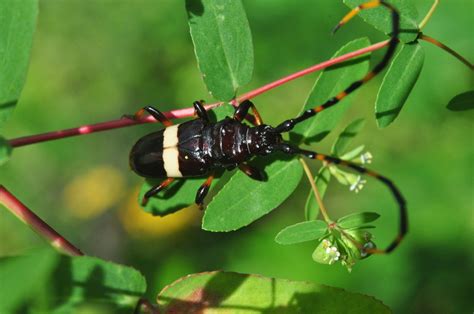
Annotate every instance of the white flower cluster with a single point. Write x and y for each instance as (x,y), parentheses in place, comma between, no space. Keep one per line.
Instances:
(333,254)
(366,158)
(357,185)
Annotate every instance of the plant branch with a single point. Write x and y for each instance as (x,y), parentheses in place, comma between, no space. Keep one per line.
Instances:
(187,112)
(447,49)
(428,15)
(311,180)
(23,213)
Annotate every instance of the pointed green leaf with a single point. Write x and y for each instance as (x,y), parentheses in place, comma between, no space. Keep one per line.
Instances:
(226,292)
(222,43)
(302,232)
(346,136)
(322,180)
(17,25)
(329,83)
(381,18)
(5,151)
(21,277)
(243,200)
(461,102)
(357,219)
(398,83)
(182,192)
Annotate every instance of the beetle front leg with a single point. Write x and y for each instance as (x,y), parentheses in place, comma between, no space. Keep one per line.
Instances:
(242,113)
(154,190)
(203,190)
(253,172)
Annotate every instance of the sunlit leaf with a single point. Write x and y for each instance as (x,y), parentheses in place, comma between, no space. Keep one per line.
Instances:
(243,200)
(346,136)
(398,83)
(17,25)
(328,84)
(322,181)
(357,219)
(302,232)
(381,18)
(21,277)
(82,280)
(225,292)
(223,44)
(462,102)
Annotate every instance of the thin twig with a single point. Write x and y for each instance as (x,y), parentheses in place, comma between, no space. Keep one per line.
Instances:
(187,112)
(428,15)
(447,49)
(310,176)
(17,208)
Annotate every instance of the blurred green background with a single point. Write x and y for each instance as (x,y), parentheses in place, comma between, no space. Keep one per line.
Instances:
(94,61)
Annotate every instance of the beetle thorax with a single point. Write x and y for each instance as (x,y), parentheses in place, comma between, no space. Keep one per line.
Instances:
(262,140)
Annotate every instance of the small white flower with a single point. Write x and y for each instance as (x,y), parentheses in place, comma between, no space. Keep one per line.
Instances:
(332,252)
(366,158)
(357,185)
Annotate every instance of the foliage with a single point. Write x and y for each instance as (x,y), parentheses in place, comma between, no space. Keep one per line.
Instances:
(223,45)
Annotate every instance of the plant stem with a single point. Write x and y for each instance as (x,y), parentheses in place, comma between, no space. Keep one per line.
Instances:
(447,49)
(310,176)
(187,112)
(428,15)
(17,208)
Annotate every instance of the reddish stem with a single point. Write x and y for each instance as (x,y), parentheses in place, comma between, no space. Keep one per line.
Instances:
(17,208)
(187,112)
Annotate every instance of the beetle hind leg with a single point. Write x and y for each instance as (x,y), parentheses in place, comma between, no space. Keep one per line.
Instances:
(155,190)
(203,190)
(201,111)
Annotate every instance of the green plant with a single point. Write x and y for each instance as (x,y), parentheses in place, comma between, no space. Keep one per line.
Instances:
(223,84)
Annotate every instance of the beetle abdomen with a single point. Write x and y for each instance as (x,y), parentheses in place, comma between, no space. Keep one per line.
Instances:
(173,152)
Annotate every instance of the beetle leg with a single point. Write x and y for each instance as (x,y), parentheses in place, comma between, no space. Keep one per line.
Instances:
(288,125)
(200,111)
(241,112)
(253,172)
(158,115)
(154,190)
(403,226)
(203,190)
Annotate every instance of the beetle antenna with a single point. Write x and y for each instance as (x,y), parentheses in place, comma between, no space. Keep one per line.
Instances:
(288,125)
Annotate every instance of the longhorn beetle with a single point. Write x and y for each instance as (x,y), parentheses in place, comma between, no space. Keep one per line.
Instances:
(199,147)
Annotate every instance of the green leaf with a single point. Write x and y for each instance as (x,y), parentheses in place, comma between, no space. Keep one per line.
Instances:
(302,232)
(346,137)
(80,280)
(5,151)
(329,83)
(322,180)
(226,292)
(182,192)
(357,219)
(243,200)
(23,276)
(398,83)
(353,153)
(17,25)
(461,102)
(381,18)
(222,44)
